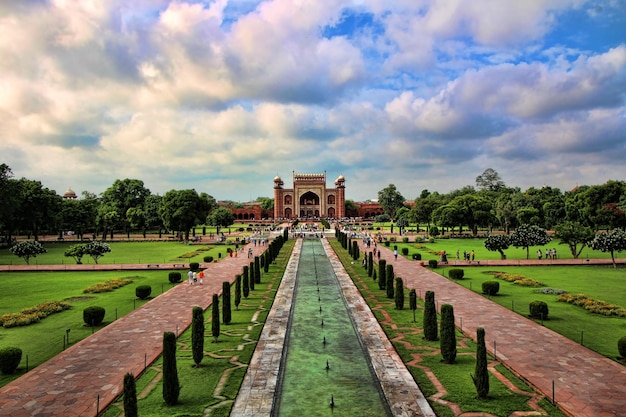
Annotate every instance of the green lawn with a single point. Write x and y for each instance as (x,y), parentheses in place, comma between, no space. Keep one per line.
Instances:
(43,340)
(603,283)
(125,253)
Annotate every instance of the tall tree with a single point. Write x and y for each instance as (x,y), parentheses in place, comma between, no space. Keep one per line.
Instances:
(481,373)
(573,234)
(613,241)
(124,195)
(221,216)
(38,207)
(226,305)
(399,295)
(237,291)
(197,335)
(171,385)
(130,396)
(490,180)
(390,200)
(183,209)
(526,236)
(215,317)
(390,281)
(448,334)
(430,317)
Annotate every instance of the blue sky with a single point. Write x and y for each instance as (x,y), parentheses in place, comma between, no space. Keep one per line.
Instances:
(221,95)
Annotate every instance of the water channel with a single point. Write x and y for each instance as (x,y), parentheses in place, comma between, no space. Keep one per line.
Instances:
(325,370)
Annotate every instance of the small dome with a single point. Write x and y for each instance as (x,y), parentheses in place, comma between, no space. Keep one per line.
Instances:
(69,194)
(340,178)
(277,178)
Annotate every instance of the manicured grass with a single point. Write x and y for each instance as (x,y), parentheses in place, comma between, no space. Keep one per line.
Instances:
(125,253)
(605,283)
(455,378)
(235,346)
(43,340)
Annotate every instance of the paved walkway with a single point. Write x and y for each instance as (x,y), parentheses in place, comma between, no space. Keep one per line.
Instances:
(586,384)
(88,376)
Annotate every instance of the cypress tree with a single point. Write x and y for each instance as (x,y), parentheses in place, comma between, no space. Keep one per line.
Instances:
(481,374)
(237,291)
(226,305)
(382,277)
(130,396)
(266,262)
(171,386)
(370,264)
(246,282)
(355,250)
(374,275)
(448,334)
(197,334)
(215,319)
(252,274)
(430,317)
(350,248)
(257,270)
(390,279)
(413,302)
(399,296)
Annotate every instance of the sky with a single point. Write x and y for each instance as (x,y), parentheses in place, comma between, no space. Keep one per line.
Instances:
(221,96)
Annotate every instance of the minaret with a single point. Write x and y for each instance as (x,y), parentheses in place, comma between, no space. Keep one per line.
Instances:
(340,184)
(279,209)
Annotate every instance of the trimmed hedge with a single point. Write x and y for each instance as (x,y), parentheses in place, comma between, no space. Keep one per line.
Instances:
(417,256)
(491,287)
(194,266)
(10,358)
(405,251)
(432,263)
(538,309)
(143,292)
(175,277)
(208,259)
(456,273)
(621,347)
(93,315)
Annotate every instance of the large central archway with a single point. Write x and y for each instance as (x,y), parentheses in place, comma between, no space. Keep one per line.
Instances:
(309,205)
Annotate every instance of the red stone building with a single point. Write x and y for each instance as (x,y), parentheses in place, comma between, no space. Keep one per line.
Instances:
(309,197)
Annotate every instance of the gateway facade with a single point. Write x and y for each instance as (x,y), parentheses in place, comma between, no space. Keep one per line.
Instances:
(309,197)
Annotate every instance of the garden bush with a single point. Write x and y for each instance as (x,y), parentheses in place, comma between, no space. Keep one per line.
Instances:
(432,263)
(194,266)
(491,287)
(417,256)
(405,251)
(10,358)
(621,347)
(387,243)
(456,273)
(208,259)
(175,277)
(143,292)
(405,239)
(539,309)
(93,315)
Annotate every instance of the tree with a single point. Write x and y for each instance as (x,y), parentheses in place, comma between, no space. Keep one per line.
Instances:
(399,296)
(252,274)
(266,203)
(573,234)
(124,195)
(257,270)
(77,252)
(370,264)
(390,200)
(498,243)
(183,209)
(390,280)
(197,335)
(481,373)
(38,207)
(221,217)
(130,396)
(382,274)
(226,305)
(237,291)
(490,180)
(171,385)
(613,241)
(430,317)
(448,334)
(27,250)
(246,282)
(413,302)
(96,249)
(215,318)
(9,201)
(527,235)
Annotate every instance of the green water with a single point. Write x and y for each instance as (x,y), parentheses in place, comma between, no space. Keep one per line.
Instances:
(306,385)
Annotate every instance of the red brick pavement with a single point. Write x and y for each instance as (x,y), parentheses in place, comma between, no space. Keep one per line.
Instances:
(586,384)
(89,375)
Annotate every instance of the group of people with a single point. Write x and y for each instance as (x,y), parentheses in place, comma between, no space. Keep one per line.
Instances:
(467,256)
(193,277)
(549,253)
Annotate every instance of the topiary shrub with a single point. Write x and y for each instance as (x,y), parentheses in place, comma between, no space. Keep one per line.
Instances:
(208,259)
(387,243)
(10,358)
(456,273)
(174,277)
(405,251)
(93,316)
(405,239)
(194,266)
(432,263)
(539,309)
(143,292)
(491,287)
(417,256)
(621,347)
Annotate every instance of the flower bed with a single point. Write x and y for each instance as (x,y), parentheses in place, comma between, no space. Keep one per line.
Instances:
(33,314)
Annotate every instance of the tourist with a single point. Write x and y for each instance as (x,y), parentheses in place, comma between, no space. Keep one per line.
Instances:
(539,254)
(190,277)
(201,275)
(395,253)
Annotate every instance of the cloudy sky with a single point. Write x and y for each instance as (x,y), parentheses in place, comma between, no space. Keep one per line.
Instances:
(223,95)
